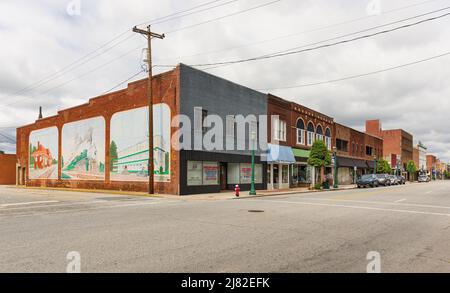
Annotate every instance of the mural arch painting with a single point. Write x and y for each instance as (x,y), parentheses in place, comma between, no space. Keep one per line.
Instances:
(83,150)
(43,154)
(129,145)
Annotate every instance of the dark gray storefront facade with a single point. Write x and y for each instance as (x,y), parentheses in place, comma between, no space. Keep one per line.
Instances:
(204,170)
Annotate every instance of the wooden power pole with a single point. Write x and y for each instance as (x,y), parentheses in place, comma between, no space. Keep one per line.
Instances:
(149,34)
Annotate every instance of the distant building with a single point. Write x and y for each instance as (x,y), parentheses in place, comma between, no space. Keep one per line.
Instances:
(431,165)
(397,145)
(356,153)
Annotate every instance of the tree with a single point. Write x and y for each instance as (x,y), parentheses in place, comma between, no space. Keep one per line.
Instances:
(113,155)
(383,167)
(411,169)
(2,152)
(319,157)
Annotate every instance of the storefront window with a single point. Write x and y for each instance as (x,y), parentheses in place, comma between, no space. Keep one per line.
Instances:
(246,173)
(242,173)
(194,173)
(285,175)
(295,174)
(301,174)
(210,173)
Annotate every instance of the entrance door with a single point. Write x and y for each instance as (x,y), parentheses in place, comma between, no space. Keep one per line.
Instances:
(223,176)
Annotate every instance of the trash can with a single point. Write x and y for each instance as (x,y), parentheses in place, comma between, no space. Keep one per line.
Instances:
(326,185)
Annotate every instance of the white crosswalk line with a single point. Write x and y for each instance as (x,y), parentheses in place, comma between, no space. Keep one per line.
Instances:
(27,203)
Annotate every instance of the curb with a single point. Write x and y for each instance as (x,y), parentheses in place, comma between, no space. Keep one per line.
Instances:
(293,192)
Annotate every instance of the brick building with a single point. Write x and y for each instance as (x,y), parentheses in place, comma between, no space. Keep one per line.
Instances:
(8,169)
(103,144)
(432,165)
(356,153)
(292,131)
(397,145)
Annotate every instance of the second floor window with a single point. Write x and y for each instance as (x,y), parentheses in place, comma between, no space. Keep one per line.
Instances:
(328,139)
(279,129)
(310,134)
(301,132)
(319,133)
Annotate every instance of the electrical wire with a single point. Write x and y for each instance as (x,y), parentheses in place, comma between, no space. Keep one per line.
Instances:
(75,64)
(223,17)
(125,81)
(287,53)
(359,75)
(297,33)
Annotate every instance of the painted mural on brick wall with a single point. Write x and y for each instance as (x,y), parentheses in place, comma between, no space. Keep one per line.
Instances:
(129,144)
(83,150)
(43,155)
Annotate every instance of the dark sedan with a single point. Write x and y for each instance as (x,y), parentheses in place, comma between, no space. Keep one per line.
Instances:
(367,181)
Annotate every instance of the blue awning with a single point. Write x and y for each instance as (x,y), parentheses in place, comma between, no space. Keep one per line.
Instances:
(278,154)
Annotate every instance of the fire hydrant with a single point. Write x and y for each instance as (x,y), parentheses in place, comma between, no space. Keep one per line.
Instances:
(237,191)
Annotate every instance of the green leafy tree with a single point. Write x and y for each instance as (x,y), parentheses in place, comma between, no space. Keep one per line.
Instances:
(2,152)
(411,169)
(383,167)
(113,155)
(319,157)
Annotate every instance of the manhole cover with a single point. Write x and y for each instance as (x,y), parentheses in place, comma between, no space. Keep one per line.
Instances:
(256,211)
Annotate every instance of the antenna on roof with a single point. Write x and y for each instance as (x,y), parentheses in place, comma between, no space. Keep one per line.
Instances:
(40,113)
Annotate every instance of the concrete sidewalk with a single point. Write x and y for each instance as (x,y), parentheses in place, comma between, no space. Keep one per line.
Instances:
(260,193)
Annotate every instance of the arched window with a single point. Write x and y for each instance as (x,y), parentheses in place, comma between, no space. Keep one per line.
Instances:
(319,133)
(300,132)
(310,134)
(328,138)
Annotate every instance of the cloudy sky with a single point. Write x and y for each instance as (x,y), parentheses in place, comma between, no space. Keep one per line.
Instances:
(58,53)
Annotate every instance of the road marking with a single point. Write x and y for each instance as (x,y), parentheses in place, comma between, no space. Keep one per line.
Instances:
(379,202)
(27,203)
(356,207)
(92,209)
(401,200)
(429,192)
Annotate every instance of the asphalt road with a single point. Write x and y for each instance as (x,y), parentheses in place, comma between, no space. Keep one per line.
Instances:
(321,232)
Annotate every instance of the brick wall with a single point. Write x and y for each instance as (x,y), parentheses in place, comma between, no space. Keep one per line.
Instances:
(8,169)
(165,90)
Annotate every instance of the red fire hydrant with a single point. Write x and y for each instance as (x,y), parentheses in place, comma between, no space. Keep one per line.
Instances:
(237,191)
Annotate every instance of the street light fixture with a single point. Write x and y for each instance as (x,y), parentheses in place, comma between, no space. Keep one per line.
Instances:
(253,138)
(335,180)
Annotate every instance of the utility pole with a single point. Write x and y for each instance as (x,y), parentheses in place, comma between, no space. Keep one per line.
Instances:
(149,34)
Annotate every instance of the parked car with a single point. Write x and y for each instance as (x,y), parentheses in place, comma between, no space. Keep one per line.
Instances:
(367,181)
(424,178)
(394,180)
(401,180)
(383,179)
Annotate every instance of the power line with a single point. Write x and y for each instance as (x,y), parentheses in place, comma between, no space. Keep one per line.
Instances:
(298,33)
(70,66)
(358,75)
(192,13)
(73,79)
(319,47)
(125,81)
(223,17)
(7,137)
